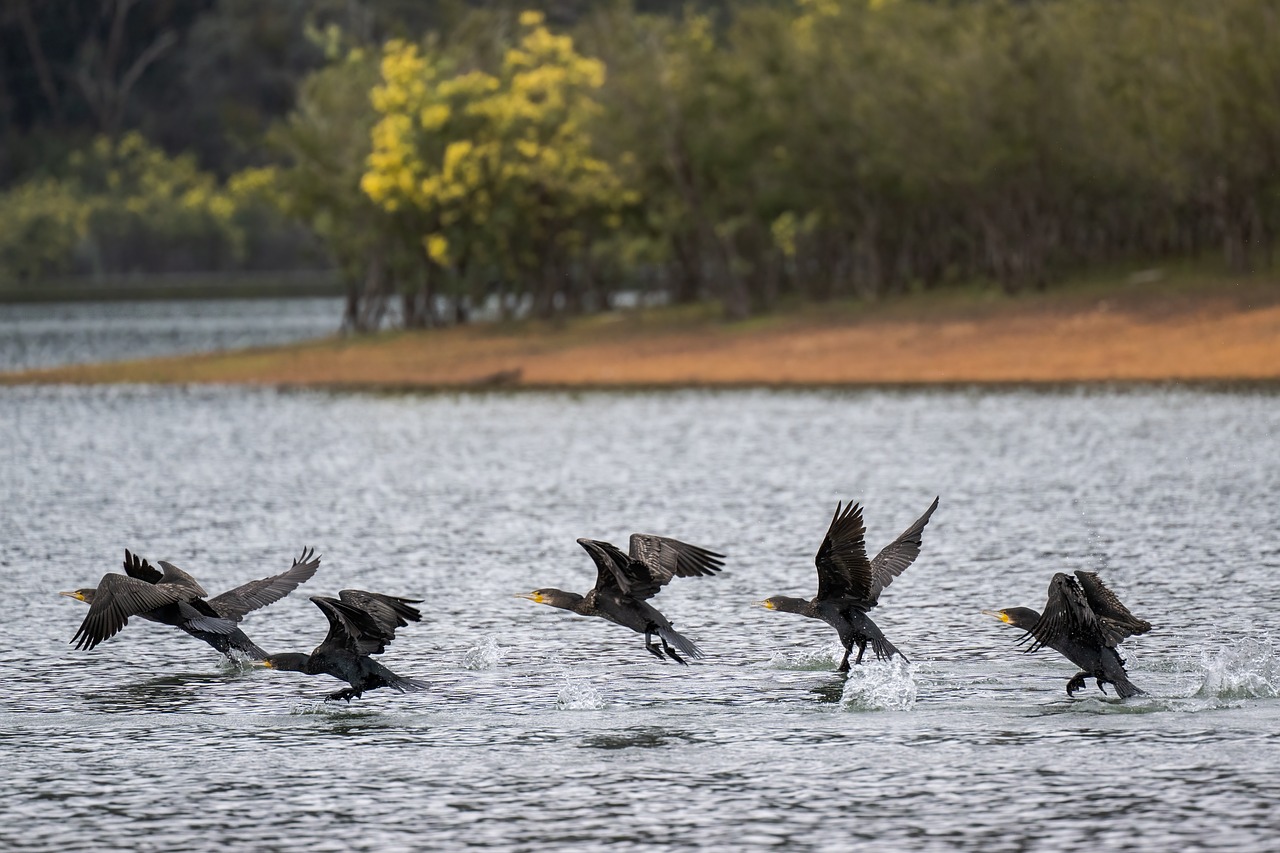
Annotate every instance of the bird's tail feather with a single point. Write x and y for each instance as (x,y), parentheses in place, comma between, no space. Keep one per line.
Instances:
(1126,688)
(250,649)
(682,644)
(408,685)
(885,649)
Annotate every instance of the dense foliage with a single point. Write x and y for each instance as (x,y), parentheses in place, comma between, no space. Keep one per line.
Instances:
(757,151)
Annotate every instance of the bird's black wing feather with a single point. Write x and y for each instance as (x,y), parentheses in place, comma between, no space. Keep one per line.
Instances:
(1116,621)
(611,566)
(197,615)
(666,557)
(236,603)
(386,613)
(843,569)
(136,567)
(895,557)
(117,598)
(1066,615)
(350,628)
(176,577)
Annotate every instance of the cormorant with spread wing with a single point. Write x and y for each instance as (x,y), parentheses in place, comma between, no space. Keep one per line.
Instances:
(170,596)
(625,583)
(849,584)
(360,624)
(1084,621)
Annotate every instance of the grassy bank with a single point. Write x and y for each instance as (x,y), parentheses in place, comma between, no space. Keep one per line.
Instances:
(1149,327)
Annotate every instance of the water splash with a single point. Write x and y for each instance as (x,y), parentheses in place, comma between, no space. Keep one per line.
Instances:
(881,686)
(578,695)
(1245,670)
(485,654)
(826,658)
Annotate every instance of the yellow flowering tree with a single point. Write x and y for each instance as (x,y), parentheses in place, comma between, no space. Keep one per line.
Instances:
(495,168)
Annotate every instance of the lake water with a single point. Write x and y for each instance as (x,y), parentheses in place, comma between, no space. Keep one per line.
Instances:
(49,334)
(544,730)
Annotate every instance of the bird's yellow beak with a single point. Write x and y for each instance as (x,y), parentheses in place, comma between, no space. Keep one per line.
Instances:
(1001,615)
(76,595)
(532,596)
(767,605)
(267,664)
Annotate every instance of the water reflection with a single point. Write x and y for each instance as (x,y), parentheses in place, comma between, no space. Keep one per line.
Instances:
(642,737)
(51,334)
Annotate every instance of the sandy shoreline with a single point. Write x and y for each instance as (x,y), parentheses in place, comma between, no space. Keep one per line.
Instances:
(1209,332)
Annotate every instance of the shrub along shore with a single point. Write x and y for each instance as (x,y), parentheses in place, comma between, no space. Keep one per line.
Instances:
(1186,329)
(750,155)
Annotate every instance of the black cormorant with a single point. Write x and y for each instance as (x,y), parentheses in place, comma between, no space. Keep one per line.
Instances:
(849,584)
(360,624)
(170,596)
(625,582)
(1084,621)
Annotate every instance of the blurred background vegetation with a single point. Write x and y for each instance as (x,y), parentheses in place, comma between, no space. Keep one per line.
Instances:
(561,157)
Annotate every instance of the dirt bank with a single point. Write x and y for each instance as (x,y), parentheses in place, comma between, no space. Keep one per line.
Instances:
(1197,330)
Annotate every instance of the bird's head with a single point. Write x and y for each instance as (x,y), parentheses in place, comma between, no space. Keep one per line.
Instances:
(1018,617)
(85,595)
(552,597)
(289,662)
(784,603)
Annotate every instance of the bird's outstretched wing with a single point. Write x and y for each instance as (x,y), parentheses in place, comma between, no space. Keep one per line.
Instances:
(386,612)
(652,563)
(136,567)
(117,598)
(349,627)
(612,568)
(176,577)
(1066,614)
(666,557)
(895,557)
(843,569)
(1115,620)
(234,604)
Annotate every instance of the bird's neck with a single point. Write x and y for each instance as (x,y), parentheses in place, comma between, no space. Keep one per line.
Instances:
(292,662)
(786,604)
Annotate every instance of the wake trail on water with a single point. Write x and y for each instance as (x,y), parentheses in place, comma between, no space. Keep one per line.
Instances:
(1240,670)
(811,660)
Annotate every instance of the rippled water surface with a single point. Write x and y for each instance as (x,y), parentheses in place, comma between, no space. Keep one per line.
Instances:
(544,730)
(55,333)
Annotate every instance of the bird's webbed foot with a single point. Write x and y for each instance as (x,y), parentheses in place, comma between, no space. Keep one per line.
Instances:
(649,644)
(1076,683)
(862,650)
(844,661)
(346,694)
(671,653)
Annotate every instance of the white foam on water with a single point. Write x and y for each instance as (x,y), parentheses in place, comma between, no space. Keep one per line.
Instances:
(577,694)
(880,686)
(1247,669)
(825,658)
(485,654)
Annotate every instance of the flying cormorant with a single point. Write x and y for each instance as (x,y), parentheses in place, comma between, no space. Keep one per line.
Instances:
(170,596)
(625,582)
(1084,621)
(360,624)
(849,585)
